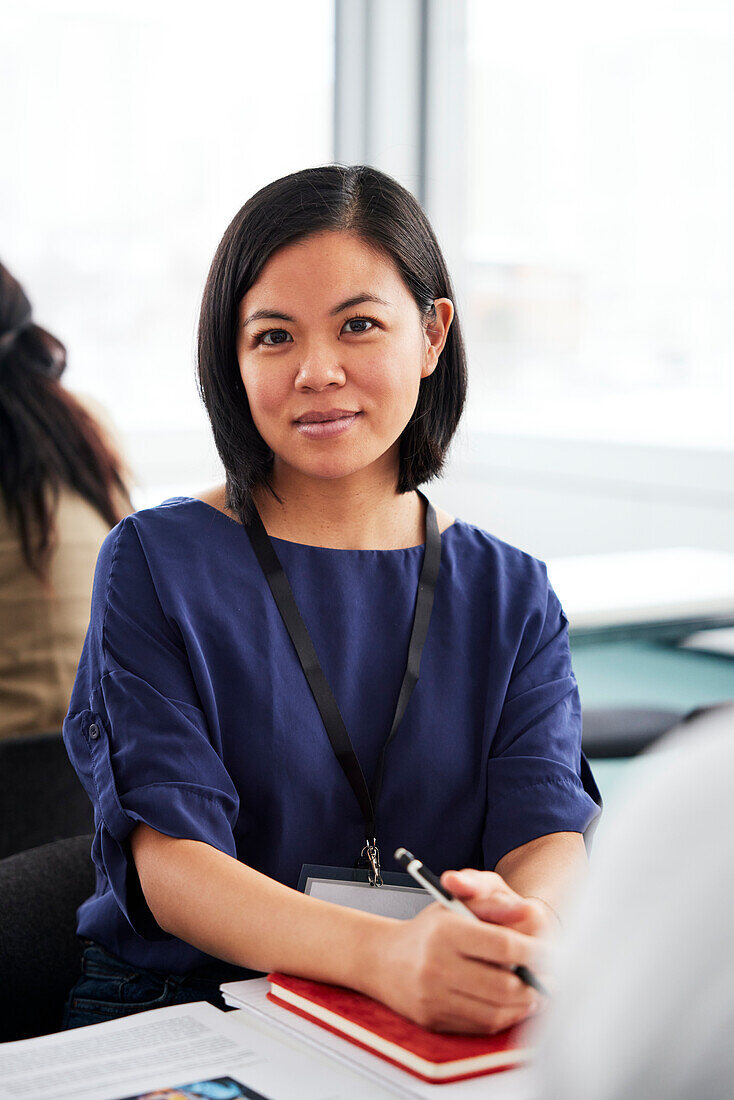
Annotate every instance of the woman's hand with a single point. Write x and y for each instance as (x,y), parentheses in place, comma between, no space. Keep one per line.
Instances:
(488,896)
(449,973)
(491,899)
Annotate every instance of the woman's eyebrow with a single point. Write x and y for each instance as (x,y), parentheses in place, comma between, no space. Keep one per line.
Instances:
(274,314)
(357,300)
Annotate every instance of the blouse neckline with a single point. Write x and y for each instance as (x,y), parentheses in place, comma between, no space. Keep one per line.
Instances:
(311,546)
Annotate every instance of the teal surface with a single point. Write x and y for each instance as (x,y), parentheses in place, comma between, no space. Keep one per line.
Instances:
(643,674)
(628,673)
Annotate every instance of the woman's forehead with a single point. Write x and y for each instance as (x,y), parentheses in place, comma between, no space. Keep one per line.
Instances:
(326,269)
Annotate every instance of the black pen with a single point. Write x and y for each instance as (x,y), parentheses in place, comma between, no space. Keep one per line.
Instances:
(432,884)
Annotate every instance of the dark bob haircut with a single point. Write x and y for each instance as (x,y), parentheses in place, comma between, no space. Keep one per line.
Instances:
(387,217)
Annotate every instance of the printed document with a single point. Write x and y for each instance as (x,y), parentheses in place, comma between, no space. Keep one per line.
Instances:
(170,1047)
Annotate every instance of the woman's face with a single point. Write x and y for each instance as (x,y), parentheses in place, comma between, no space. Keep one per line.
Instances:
(332,352)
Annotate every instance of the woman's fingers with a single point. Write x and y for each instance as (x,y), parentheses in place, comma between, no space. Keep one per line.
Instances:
(498,950)
(457,1011)
(492,943)
(469,883)
(525,915)
(493,985)
(490,898)
(488,1019)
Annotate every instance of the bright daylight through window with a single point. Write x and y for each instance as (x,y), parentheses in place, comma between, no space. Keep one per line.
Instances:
(139,133)
(600,172)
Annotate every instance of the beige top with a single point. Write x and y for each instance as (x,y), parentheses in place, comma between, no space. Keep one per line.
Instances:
(42,630)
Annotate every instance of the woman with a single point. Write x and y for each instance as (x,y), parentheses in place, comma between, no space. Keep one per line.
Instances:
(332,368)
(61,490)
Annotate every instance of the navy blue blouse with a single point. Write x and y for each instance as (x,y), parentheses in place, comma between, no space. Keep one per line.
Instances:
(190,711)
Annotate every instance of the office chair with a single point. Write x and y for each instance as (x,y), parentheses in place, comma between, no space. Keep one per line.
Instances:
(614,732)
(40,954)
(41,798)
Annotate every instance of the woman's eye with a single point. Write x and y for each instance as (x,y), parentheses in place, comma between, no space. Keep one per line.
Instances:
(275,334)
(360,321)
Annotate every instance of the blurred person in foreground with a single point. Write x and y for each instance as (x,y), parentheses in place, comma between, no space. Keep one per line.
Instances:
(644,1003)
(61,490)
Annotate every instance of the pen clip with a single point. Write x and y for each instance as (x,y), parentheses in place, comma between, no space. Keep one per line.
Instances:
(372,853)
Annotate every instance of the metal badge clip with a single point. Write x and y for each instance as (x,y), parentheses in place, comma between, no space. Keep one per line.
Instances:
(370,850)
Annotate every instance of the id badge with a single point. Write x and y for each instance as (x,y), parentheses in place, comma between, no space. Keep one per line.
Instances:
(398,896)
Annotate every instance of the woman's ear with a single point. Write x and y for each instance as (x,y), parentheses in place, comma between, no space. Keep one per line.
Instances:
(436,331)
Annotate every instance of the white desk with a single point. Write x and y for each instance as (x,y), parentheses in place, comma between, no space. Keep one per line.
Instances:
(654,588)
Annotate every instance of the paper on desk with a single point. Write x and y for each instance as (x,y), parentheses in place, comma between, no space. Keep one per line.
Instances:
(168,1047)
(513,1084)
(711,641)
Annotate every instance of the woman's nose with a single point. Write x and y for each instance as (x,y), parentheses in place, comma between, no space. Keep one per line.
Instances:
(319,369)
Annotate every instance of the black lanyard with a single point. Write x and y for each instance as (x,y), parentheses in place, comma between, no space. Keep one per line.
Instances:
(322,693)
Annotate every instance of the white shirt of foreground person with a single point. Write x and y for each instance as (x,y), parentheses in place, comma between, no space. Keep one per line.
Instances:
(645,994)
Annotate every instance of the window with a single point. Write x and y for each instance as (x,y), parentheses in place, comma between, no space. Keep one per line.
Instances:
(600,266)
(132,133)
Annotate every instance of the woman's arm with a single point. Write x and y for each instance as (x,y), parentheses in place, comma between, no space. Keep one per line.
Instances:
(546,869)
(439,969)
(231,911)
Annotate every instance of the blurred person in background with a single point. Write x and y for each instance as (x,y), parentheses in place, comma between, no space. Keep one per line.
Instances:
(644,1003)
(62,487)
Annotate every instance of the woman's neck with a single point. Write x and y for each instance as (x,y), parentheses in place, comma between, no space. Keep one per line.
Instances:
(354,513)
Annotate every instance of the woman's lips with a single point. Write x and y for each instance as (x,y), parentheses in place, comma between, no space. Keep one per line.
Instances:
(336,424)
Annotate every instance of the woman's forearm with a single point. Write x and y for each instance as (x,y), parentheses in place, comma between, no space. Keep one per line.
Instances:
(230,911)
(547,868)
(432,968)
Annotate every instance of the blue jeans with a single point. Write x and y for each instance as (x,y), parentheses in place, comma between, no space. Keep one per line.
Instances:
(109,988)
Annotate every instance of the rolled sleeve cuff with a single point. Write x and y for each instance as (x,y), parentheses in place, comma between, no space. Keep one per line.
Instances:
(535,797)
(182,810)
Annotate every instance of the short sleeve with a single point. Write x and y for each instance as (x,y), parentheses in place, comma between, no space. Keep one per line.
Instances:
(539,782)
(136,732)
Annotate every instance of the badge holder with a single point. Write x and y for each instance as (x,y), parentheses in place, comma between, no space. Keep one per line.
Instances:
(398,896)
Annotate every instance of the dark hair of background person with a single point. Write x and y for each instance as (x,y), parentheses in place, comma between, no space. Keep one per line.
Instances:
(47,439)
(387,217)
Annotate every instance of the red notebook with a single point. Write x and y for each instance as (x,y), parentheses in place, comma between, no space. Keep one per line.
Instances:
(435,1057)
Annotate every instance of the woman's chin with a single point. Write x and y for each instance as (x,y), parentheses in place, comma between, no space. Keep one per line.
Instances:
(332,472)
(326,470)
